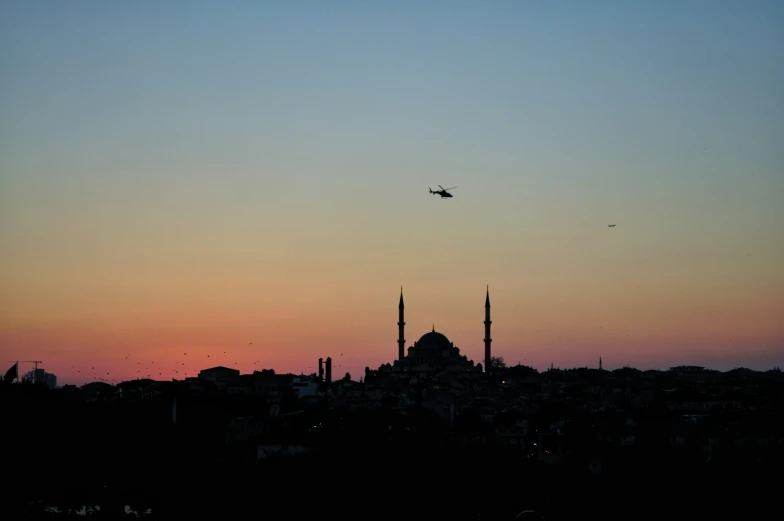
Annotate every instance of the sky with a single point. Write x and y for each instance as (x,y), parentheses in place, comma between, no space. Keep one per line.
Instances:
(186,184)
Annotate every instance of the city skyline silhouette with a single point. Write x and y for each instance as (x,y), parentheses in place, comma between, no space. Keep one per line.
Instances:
(188,365)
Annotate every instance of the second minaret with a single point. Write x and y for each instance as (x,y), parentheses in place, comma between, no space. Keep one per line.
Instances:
(401,325)
(488,340)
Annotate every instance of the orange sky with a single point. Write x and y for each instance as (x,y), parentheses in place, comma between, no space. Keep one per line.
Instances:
(359,329)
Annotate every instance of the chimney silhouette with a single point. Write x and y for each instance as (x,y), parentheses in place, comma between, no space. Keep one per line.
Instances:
(329,369)
(321,368)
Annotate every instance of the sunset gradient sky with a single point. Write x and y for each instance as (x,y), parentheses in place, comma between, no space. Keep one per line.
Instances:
(190,177)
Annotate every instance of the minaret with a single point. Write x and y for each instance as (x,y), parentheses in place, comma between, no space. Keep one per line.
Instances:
(487,331)
(401,326)
(600,362)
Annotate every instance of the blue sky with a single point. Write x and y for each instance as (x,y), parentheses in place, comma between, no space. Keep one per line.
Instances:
(306,132)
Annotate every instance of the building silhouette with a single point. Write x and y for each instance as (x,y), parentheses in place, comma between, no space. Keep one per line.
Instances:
(433,353)
(221,377)
(41,376)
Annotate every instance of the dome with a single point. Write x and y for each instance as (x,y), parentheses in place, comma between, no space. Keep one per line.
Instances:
(434,340)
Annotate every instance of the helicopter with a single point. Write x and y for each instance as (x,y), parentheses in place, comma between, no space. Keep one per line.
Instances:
(444,192)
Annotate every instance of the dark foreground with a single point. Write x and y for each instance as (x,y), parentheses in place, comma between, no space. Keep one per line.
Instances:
(67,453)
(394,485)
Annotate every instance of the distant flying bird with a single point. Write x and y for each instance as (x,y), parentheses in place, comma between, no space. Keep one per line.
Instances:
(611,226)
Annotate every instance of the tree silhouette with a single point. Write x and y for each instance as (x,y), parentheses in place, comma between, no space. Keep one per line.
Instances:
(497,363)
